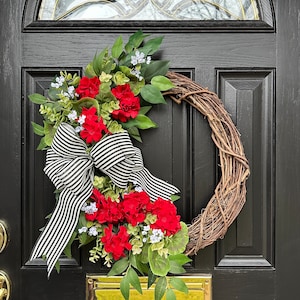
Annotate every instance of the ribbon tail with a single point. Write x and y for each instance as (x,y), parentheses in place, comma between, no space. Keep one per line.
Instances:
(154,186)
(60,227)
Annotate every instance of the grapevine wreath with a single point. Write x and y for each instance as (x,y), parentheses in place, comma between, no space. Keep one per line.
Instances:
(104,193)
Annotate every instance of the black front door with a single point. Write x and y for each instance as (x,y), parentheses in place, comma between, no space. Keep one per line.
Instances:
(253,66)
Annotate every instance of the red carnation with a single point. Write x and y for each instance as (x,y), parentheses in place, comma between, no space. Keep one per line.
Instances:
(88,87)
(116,243)
(129,104)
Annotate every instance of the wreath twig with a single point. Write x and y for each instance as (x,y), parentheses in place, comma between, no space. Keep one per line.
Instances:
(230,194)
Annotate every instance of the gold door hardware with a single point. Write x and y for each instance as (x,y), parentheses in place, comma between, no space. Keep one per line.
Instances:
(5,286)
(3,236)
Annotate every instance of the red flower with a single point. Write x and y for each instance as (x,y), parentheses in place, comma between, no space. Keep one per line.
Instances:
(108,211)
(88,87)
(93,126)
(135,207)
(116,243)
(129,104)
(167,219)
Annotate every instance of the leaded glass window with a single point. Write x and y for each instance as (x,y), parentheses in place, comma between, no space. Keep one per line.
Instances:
(149,10)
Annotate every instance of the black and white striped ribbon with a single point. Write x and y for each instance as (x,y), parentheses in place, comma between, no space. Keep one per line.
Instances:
(71,168)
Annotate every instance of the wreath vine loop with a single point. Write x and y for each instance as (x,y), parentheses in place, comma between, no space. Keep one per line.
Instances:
(230,193)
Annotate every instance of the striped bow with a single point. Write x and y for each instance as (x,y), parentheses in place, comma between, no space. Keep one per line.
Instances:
(71,168)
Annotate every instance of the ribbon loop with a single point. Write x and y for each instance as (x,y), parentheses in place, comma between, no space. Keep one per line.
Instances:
(71,168)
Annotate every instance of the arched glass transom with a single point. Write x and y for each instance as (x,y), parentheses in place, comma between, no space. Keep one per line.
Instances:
(149,10)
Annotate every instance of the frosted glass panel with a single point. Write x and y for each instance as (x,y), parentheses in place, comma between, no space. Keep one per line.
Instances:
(149,10)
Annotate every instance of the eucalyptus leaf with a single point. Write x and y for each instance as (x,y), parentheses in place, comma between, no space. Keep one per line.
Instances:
(119,267)
(160,288)
(179,285)
(125,287)
(152,94)
(37,98)
(162,83)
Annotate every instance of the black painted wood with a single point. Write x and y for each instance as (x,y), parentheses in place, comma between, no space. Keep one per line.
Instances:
(253,67)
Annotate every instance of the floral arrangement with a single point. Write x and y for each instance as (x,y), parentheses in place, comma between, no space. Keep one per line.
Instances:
(105,195)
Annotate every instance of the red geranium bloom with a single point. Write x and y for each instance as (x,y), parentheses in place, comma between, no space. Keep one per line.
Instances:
(93,126)
(129,104)
(167,219)
(88,87)
(108,210)
(135,207)
(116,243)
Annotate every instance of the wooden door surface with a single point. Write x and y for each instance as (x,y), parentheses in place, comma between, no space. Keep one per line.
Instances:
(254,68)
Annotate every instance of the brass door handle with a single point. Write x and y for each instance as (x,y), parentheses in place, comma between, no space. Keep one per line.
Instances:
(3,237)
(5,286)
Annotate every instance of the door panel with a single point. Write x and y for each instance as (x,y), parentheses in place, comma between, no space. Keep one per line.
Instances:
(245,64)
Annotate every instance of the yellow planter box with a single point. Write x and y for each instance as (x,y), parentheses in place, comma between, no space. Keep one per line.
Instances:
(107,288)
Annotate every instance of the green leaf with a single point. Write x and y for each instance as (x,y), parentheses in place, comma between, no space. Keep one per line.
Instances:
(155,68)
(67,250)
(170,295)
(151,46)
(176,268)
(179,285)
(86,102)
(125,287)
(159,265)
(144,255)
(98,61)
(181,259)
(37,98)
(85,239)
(38,129)
(152,94)
(151,278)
(141,122)
(134,132)
(57,266)
(160,288)
(53,93)
(135,40)
(89,71)
(117,47)
(145,109)
(134,280)
(119,267)
(162,83)
(49,133)
(178,242)
(42,145)
(175,197)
